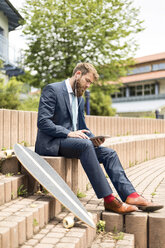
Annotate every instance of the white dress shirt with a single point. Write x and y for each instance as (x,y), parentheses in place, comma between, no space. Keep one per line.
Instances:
(70,92)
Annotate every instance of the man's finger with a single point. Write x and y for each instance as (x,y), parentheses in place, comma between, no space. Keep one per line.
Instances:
(85,131)
(84,136)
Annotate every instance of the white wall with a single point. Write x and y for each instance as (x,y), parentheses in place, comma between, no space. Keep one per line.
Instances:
(162,86)
(4,23)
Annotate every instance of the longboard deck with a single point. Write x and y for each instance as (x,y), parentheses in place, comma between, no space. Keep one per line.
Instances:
(52,182)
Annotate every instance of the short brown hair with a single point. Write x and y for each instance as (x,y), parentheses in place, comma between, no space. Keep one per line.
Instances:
(85,68)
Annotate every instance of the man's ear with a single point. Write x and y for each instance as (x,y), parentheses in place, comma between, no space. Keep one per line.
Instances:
(78,74)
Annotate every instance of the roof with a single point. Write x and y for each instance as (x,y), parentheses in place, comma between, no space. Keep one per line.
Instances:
(12,70)
(152,75)
(150,58)
(11,13)
(141,77)
(139,106)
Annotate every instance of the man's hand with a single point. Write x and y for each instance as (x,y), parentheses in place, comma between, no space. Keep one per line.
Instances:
(79,134)
(98,142)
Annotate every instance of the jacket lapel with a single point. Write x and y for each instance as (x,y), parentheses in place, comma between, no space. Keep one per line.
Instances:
(66,98)
(79,111)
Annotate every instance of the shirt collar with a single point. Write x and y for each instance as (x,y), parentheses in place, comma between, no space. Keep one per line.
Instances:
(68,86)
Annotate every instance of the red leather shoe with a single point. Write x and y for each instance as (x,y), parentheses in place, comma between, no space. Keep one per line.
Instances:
(119,207)
(143,204)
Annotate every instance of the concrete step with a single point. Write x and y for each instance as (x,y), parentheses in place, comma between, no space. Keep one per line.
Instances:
(55,235)
(21,218)
(156,222)
(147,177)
(68,169)
(148,228)
(114,240)
(11,187)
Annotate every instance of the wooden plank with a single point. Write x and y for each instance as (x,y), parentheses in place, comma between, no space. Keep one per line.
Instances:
(27,127)
(1,128)
(21,126)
(14,127)
(33,127)
(6,128)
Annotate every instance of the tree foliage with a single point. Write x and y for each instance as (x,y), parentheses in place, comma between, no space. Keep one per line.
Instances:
(100,100)
(10,94)
(100,105)
(31,103)
(61,33)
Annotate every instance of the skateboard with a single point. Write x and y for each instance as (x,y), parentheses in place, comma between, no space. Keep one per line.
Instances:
(52,182)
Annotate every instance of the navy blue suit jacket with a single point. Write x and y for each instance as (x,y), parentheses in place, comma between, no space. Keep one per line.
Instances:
(55,118)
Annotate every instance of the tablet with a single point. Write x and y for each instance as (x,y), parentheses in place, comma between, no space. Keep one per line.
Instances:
(100,137)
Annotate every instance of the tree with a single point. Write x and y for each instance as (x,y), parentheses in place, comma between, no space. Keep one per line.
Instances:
(100,100)
(100,105)
(10,94)
(31,103)
(61,33)
(10,91)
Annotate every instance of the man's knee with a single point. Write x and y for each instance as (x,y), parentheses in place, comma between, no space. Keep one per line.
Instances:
(112,153)
(87,144)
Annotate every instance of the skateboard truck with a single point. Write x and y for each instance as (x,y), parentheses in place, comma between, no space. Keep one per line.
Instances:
(69,221)
(8,153)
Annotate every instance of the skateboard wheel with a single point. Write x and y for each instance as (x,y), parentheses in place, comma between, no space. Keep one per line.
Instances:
(68,222)
(8,153)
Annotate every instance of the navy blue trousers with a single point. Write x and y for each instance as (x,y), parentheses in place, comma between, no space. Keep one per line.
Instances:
(90,158)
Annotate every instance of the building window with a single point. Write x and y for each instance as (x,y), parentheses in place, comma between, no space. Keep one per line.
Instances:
(137,90)
(140,69)
(142,90)
(121,93)
(132,91)
(157,67)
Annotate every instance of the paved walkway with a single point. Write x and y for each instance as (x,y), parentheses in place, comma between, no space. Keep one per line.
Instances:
(121,139)
(148,179)
(110,240)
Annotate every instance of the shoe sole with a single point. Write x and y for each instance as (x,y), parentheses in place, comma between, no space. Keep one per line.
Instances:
(111,211)
(150,208)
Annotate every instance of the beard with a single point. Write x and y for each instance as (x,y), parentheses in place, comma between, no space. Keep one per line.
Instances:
(78,88)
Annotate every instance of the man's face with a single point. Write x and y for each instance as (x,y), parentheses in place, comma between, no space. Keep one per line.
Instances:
(82,83)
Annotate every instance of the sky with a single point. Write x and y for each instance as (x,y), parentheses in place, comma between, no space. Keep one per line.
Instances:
(151,40)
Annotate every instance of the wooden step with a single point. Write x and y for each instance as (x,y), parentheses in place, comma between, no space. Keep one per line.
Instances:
(55,235)
(10,185)
(20,219)
(114,240)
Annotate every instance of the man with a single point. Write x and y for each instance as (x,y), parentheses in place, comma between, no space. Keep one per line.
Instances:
(62,131)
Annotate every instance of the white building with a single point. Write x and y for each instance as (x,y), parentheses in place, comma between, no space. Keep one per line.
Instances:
(143,89)
(9,21)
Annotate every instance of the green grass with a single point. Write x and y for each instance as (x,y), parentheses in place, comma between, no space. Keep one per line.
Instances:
(22,191)
(100,226)
(35,222)
(9,174)
(3,149)
(80,194)
(118,236)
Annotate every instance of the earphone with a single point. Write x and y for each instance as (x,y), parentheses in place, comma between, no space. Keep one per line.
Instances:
(75,88)
(75,92)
